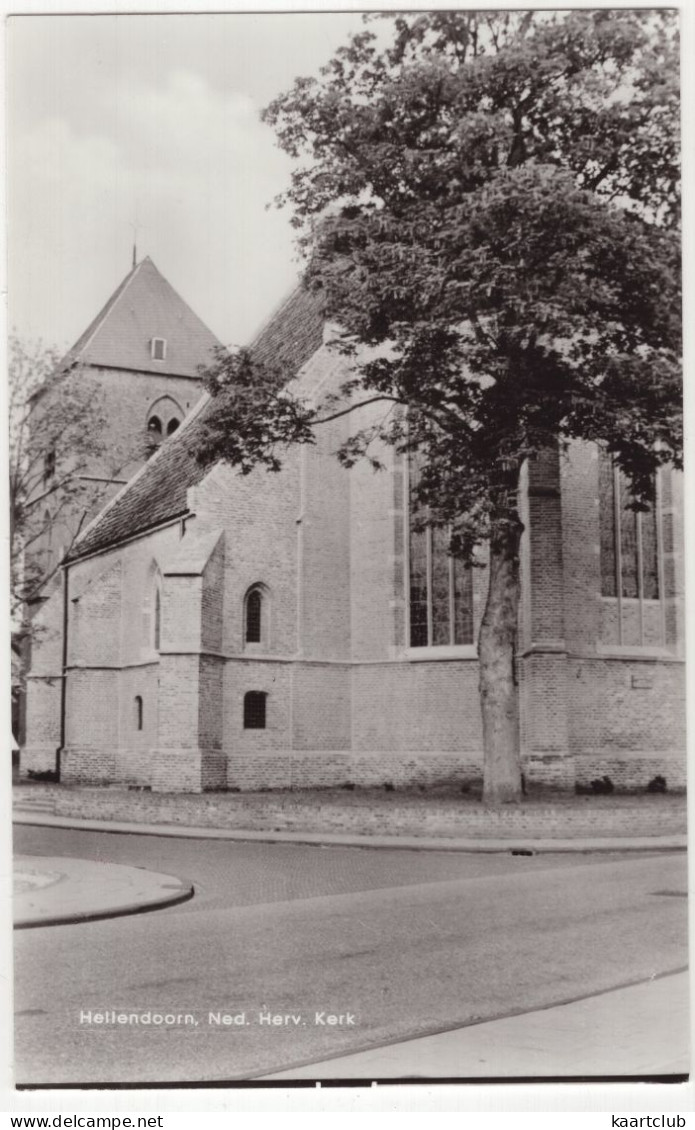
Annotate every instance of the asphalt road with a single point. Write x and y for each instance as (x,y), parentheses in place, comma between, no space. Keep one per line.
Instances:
(397,943)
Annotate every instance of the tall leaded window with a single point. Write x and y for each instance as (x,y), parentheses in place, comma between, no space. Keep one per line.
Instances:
(629,540)
(441,587)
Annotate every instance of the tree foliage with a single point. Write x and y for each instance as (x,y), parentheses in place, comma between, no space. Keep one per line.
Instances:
(489,202)
(496,196)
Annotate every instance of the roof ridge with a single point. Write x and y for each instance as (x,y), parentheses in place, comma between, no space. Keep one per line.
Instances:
(277,310)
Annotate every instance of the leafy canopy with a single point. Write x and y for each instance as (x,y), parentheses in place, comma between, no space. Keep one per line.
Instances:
(491,200)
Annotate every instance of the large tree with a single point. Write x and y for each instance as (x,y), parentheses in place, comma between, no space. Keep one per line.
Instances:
(492,199)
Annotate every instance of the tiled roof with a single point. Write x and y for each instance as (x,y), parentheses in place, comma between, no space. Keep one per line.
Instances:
(144,306)
(157,493)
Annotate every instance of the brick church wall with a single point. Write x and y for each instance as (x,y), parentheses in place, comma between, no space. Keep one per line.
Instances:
(112,661)
(625,705)
(348,701)
(44,686)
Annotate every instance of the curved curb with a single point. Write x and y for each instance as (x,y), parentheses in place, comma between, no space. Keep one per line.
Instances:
(88,906)
(100,915)
(331,839)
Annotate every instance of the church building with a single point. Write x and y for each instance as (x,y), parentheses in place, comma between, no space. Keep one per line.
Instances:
(138,368)
(290,629)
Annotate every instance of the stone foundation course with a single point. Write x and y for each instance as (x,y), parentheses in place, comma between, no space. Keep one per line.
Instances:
(369,812)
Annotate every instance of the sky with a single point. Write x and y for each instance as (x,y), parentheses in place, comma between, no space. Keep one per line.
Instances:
(148,127)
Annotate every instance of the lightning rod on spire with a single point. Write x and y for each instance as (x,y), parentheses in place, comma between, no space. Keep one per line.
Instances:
(134,226)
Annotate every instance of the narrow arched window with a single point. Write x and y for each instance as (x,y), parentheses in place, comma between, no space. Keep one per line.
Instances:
(172,426)
(49,466)
(154,426)
(254,616)
(138,712)
(254,710)
(157,617)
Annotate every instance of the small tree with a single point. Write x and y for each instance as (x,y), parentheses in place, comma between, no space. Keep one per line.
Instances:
(57,436)
(492,200)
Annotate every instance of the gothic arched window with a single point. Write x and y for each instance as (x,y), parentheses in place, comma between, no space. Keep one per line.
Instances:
(440,586)
(631,557)
(163,418)
(256,615)
(629,550)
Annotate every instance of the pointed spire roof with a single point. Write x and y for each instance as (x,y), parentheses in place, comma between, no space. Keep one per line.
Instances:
(143,307)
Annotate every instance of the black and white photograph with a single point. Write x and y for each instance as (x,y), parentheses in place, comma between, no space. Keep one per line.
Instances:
(346,528)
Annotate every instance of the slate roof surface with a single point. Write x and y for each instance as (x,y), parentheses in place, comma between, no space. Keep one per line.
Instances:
(144,306)
(157,493)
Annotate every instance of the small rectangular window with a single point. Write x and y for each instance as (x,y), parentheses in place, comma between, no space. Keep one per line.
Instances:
(254,710)
(158,348)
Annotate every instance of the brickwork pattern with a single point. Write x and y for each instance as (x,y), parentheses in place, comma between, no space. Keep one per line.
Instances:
(379,813)
(321,711)
(44,687)
(259,513)
(325,629)
(417,705)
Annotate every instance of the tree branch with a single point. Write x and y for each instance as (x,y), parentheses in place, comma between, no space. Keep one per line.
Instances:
(355,407)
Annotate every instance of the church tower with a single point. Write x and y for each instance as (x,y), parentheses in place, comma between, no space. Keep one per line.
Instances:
(138,363)
(136,370)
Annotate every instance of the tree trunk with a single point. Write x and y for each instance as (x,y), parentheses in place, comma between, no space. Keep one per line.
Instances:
(499,699)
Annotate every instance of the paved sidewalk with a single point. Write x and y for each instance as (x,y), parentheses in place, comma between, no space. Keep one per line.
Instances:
(641,1030)
(54,891)
(416,843)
